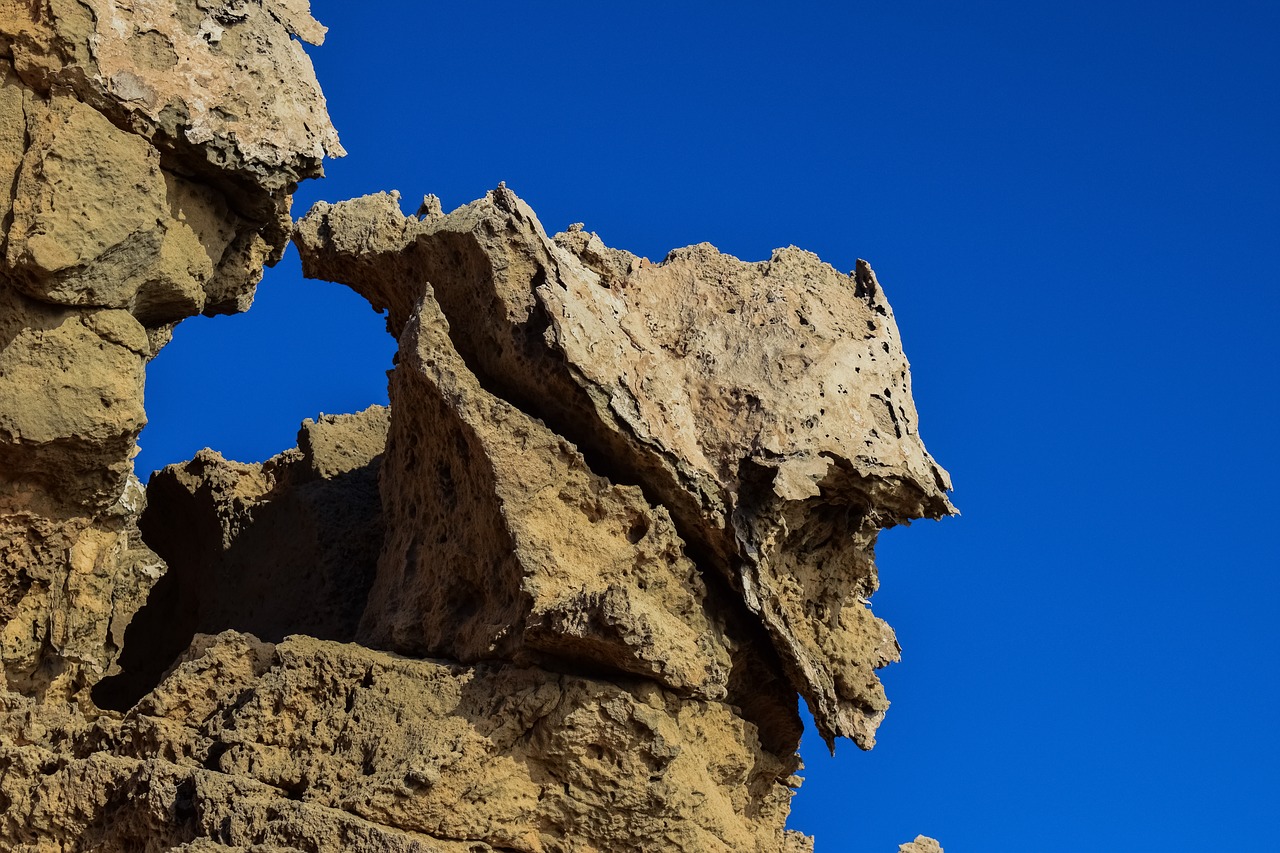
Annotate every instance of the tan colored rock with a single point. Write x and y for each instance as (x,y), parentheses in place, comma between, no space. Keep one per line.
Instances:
(63,803)
(13,142)
(70,402)
(221,84)
(619,513)
(922,844)
(287,546)
(149,165)
(503,544)
(499,757)
(766,406)
(91,222)
(73,568)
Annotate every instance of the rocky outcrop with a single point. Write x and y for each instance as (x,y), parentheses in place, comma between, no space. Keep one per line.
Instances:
(562,596)
(922,844)
(149,151)
(753,420)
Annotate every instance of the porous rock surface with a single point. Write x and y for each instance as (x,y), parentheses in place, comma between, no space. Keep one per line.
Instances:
(148,151)
(287,546)
(759,415)
(562,596)
(318,745)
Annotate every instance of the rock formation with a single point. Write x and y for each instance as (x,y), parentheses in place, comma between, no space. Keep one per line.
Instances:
(288,546)
(563,596)
(149,150)
(753,422)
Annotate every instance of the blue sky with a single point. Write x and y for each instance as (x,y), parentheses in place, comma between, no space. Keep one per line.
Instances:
(1073,210)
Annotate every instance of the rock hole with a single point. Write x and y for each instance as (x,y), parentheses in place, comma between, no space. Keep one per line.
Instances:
(639,529)
(298,559)
(216,751)
(184,802)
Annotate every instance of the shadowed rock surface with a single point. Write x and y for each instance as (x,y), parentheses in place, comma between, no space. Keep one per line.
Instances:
(288,546)
(563,596)
(148,151)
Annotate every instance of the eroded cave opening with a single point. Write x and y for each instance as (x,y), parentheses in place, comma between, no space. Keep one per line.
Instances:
(284,546)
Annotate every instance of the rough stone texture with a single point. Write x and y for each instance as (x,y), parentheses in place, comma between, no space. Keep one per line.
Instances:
(504,544)
(325,746)
(922,844)
(288,546)
(766,407)
(618,516)
(220,84)
(148,151)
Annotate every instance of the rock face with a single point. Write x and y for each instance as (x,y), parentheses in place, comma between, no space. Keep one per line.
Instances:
(562,597)
(317,745)
(754,420)
(134,201)
(288,546)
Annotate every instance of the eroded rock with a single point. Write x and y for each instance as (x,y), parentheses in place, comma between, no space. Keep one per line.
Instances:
(503,544)
(287,546)
(618,516)
(148,152)
(223,85)
(321,745)
(766,407)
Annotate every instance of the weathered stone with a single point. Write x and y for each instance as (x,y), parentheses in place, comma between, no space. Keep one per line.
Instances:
(921,844)
(320,745)
(766,406)
(221,84)
(504,544)
(91,222)
(287,546)
(147,168)
(619,513)
(73,568)
(13,143)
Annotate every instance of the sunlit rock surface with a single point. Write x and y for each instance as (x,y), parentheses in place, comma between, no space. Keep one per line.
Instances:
(764,409)
(149,150)
(564,595)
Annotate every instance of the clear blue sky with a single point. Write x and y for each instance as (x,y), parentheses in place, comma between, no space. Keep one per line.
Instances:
(1072,208)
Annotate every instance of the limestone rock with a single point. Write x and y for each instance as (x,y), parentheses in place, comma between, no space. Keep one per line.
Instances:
(220,83)
(321,745)
(767,407)
(504,544)
(922,844)
(149,150)
(286,546)
(73,568)
(618,516)
(91,222)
